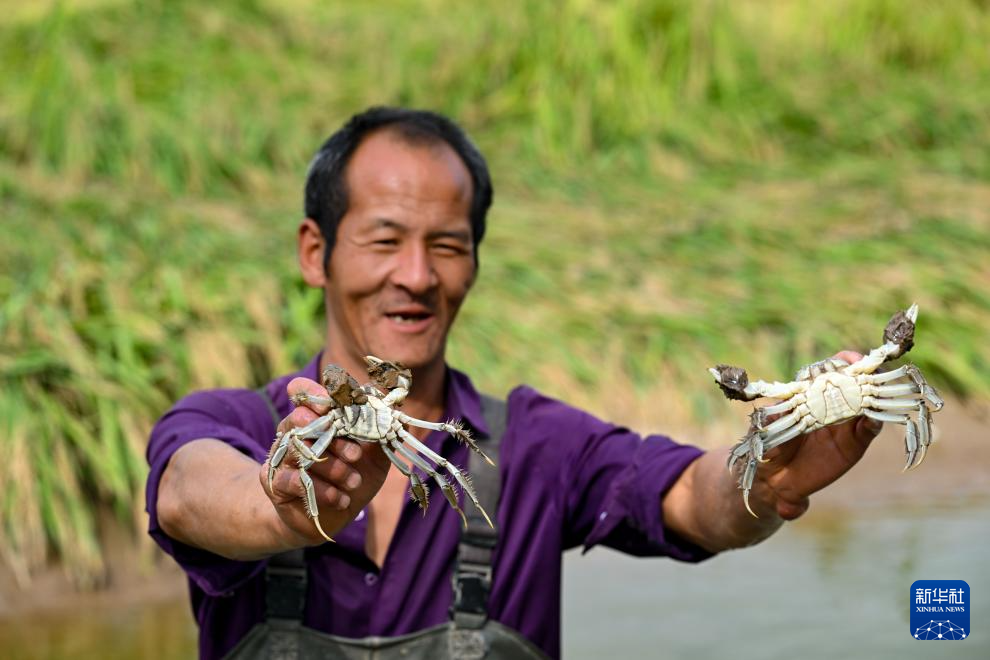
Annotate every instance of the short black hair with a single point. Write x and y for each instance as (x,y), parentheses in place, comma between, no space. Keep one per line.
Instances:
(326,188)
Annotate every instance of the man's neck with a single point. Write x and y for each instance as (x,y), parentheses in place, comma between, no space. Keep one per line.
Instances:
(426,399)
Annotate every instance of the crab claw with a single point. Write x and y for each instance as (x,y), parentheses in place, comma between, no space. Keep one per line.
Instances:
(732,380)
(388,375)
(900,330)
(912,312)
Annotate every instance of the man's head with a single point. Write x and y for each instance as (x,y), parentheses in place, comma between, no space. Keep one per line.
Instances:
(326,197)
(395,204)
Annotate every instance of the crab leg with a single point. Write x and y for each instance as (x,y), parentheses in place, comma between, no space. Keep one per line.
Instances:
(898,418)
(755,446)
(781,424)
(892,391)
(395,397)
(279,447)
(746,483)
(926,390)
(317,426)
(454,429)
(325,439)
(741,448)
(420,493)
(310,501)
(876,357)
(785,406)
(890,404)
(444,463)
(758,388)
(924,431)
(445,487)
(910,444)
(303,398)
(885,376)
(789,434)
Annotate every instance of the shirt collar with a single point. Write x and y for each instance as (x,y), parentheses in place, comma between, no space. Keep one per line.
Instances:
(462,401)
(312,370)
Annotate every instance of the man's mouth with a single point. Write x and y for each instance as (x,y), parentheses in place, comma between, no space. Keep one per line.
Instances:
(408,319)
(409,316)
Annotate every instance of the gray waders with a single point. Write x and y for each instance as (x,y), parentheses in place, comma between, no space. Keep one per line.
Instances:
(469,635)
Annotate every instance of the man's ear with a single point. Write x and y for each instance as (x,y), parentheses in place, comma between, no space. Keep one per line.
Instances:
(310,246)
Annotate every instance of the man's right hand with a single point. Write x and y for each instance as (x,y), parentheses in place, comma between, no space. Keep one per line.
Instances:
(344,483)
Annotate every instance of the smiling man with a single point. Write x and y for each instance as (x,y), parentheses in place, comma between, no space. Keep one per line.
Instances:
(396,203)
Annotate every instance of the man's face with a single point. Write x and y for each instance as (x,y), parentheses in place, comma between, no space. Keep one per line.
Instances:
(404,258)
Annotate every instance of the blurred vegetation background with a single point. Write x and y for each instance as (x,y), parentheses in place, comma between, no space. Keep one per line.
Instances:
(678,183)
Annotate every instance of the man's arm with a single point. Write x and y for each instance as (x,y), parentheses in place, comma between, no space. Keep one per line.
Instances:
(209,498)
(705,506)
(213,497)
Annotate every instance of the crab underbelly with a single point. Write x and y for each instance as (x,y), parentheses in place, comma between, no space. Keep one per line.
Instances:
(370,424)
(833,397)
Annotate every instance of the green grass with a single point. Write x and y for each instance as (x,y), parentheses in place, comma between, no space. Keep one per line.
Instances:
(709,181)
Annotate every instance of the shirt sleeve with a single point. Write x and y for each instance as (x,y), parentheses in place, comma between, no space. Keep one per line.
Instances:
(231,416)
(612,480)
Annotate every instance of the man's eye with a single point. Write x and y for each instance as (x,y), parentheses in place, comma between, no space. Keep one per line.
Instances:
(449,248)
(386,241)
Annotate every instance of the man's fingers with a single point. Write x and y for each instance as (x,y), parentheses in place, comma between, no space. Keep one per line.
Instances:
(301,416)
(849,356)
(287,487)
(789,510)
(868,428)
(333,472)
(360,452)
(337,472)
(347,450)
(299,386)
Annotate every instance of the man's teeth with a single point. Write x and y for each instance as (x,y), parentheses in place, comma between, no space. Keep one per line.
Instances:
(405,319)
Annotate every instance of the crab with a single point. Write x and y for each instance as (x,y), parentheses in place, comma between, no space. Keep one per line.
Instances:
(832,391)
(367,413)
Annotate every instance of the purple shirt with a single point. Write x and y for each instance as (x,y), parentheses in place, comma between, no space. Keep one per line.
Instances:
(568,479)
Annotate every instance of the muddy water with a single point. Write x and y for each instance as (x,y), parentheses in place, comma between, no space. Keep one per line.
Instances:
(162,629)
(832,585)
(835,586)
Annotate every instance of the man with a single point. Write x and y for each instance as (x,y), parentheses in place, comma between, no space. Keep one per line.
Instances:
(395,204)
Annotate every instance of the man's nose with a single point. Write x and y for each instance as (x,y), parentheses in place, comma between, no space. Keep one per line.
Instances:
(414,269)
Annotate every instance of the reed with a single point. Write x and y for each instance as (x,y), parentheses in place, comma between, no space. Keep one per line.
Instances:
(679,183)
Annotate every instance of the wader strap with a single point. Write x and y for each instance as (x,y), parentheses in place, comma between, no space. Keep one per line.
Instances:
(285,575)
(472,579)
(263,393)
(285,586)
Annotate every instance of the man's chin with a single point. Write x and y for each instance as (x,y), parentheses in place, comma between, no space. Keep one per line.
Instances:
(411,357)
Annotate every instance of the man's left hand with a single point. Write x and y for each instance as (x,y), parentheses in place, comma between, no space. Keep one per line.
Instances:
(813,460)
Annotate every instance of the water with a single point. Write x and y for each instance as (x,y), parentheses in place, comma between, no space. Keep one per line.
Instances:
(159,630)
(833,585)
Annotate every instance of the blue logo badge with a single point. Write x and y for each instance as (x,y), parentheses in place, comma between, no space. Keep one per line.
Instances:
(940,609)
